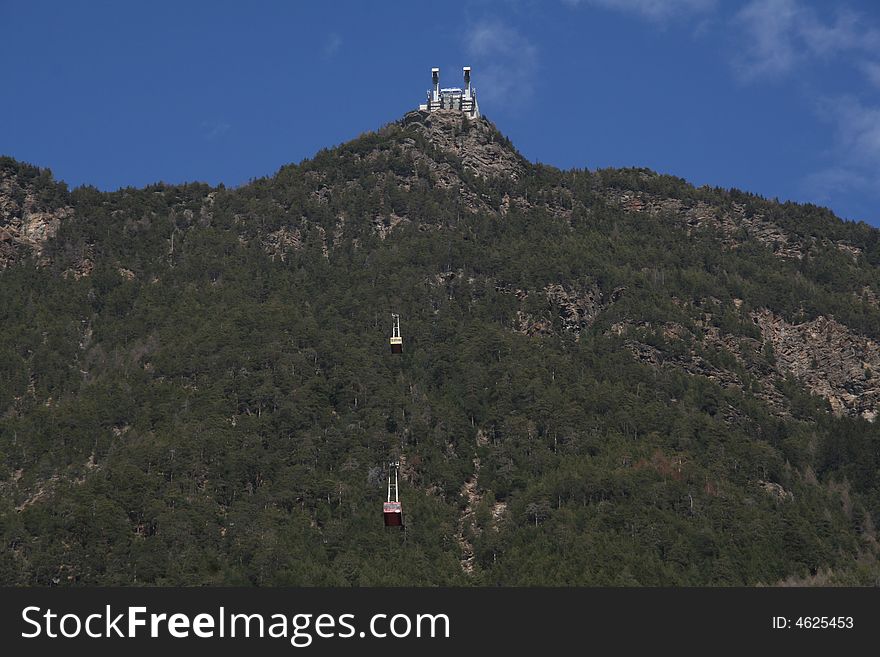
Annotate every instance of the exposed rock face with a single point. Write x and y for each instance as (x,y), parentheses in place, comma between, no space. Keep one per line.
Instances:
(558,204)
(82,268)
(383,225)
(869,297)
(26,222)
(694,353)
(451,139)
(732,223)
(776,490)
(735,223)
(479,145)
(279,242)
(831,360)
(466,524)
(563,308)
(577,309)
(442,150)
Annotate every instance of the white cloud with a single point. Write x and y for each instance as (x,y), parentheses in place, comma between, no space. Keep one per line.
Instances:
(780,37)
(824,185)
(332,44)
(781,34)
(769,28)
(657,10)
(847,33)
(856,154)
(872,72)
(505,63)
(857,127)
(212,130)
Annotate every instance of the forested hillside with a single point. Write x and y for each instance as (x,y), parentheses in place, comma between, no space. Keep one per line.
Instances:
(608,377)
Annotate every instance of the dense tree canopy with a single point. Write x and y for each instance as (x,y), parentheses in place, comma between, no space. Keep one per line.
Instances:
(213,401)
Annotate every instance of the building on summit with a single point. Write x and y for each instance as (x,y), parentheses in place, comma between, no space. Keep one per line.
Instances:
(454,98)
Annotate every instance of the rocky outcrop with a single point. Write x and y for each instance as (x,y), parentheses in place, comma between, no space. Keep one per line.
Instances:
(828,358)
(466,523)
(697,353)
(576,307)
(868,296)
(27,222)
(569,308)
(476,142)
(734,223)
(831,360)
(775,491)
(384,224)
(82,268)
(442,150)
(279,242)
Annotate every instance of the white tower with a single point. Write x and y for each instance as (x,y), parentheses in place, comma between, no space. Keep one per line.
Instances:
(435,94)
(463,100)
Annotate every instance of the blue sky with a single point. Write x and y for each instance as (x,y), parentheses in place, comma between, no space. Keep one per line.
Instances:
(777,97)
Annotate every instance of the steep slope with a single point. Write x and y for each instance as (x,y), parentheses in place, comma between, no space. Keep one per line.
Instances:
(608,377)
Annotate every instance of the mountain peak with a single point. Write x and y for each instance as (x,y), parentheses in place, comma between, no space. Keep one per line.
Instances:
(480,146)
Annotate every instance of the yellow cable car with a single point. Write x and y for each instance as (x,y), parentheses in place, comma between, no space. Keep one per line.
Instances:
(396,340)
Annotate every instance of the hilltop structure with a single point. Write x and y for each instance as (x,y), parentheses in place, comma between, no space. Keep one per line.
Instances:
(454,98)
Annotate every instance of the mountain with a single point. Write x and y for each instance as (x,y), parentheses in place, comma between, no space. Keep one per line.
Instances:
(608,377)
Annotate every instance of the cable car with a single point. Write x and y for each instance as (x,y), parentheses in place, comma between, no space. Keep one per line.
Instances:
(391,509)
(396,340)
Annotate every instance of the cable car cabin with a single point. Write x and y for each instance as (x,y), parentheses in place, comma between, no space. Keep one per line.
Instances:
(396,340)
(391,509)
(393,514)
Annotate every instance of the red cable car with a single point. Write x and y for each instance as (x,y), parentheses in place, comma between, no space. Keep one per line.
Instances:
(391,509)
